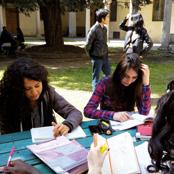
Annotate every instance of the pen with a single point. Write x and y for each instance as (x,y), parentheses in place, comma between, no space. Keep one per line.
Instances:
(95,140)
(10,156)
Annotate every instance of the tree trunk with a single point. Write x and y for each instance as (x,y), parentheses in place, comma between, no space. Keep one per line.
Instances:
(135,6)
(51,14)
(166,25)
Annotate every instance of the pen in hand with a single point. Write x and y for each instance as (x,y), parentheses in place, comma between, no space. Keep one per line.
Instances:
(10,156)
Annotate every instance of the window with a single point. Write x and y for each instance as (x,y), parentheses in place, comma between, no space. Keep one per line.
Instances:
(113,8)
(158,10)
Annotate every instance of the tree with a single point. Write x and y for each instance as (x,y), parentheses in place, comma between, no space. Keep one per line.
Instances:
(51,14)
(136,4)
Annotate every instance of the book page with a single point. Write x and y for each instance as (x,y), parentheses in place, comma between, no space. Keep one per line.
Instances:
(143,156)
(43,134)
(61,155)
(135,119)
(122,154)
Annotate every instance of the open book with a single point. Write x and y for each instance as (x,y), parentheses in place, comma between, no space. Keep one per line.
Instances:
(135,119)
(42,134)
(61,155)
(121,158)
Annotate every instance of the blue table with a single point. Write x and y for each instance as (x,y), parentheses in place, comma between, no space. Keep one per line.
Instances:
(21,139)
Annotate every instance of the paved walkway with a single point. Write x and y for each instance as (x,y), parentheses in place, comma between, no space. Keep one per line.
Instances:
(77,98)
(81,42)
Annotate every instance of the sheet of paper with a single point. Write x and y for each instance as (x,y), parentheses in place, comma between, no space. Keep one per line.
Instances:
(43,134)
(143,156)
(136,119)
(122,154)
(76,133)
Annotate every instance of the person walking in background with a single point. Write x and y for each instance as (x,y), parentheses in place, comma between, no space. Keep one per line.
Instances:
(28,101)
(117,95)
(136,35)
(97,48)
(20,38)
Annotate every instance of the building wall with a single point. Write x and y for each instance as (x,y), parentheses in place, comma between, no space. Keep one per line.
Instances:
(154,28)
(28,24)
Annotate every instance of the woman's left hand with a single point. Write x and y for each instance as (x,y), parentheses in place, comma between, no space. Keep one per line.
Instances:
(60,129)
(146,74)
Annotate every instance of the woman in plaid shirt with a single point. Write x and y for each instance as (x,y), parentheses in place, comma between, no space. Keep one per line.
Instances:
(118,95)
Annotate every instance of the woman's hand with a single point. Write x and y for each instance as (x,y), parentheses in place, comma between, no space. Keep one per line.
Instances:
(20,167)
(60,129)
(146,74)
(121,116)
(96,158)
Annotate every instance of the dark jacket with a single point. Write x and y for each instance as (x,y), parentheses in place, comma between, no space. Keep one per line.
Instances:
(51,101)
(135,38)
(96,45)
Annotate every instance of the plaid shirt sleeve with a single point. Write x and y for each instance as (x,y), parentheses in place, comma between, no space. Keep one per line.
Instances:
(91,110)
(145,103)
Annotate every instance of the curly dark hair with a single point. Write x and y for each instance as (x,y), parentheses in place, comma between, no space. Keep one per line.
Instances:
(120,93)
(14,104)
(162,140)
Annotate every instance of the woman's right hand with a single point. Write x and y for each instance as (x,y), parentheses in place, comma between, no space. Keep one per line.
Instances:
(121,116)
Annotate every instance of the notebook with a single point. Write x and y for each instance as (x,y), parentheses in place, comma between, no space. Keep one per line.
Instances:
(61,154)
(121,158)
(43,134)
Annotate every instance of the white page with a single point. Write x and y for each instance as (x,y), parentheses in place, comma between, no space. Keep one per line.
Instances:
(143,156)
(136,119)
(43,134)
(122,154)
(76,133)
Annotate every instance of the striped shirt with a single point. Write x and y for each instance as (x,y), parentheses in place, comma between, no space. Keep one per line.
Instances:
(99,97)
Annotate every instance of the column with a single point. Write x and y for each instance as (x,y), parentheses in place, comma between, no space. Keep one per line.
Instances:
(87,21)
(72,24)
(166,25)
(107,6)
(38,24)
(1,18)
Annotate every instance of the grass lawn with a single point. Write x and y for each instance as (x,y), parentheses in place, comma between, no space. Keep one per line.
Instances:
(80,78)
(161,69)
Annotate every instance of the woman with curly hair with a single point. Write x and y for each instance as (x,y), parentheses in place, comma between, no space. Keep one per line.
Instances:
(161,144)
(28,101)
(117,95)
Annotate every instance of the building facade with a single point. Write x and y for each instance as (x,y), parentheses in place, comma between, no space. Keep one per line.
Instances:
(77,24)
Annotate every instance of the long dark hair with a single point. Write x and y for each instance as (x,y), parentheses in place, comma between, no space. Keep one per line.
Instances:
(14,104)
(129,95)
(162,140)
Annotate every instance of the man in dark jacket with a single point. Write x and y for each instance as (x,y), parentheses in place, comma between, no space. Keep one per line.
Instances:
(97,48)
(136,35)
